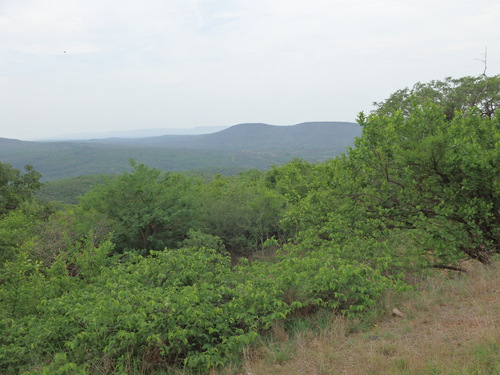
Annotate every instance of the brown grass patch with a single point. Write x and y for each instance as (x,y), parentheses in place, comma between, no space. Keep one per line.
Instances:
(452,326)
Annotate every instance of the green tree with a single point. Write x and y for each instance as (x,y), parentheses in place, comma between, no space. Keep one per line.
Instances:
(15,228)
(292,180)
(148,209)
(451,94)
(16,187)
(241,210)
(439,175)
(423,178)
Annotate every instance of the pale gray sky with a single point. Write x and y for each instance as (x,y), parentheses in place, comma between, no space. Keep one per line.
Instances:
(71,66)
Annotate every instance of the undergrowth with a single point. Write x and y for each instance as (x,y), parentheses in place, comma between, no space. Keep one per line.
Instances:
(451,326)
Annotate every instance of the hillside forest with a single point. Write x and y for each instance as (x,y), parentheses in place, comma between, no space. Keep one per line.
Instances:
(227,152)
(154,271)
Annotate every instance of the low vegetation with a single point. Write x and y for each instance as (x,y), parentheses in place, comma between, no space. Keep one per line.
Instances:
(162,272)
(451,326)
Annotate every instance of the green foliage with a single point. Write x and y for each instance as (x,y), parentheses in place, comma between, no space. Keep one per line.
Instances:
(451,95)
(416,176)
(292,180)
(50,233)
(148,209)
(68,190)
(184,308)
(436,176)
(16,187)
(241,211)
(15,227)
(27,288)
(20,225)
(197,239)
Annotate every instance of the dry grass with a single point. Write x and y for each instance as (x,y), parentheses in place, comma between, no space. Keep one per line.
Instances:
(452,326)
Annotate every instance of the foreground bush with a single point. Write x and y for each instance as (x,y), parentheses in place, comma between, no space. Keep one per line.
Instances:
(183,308)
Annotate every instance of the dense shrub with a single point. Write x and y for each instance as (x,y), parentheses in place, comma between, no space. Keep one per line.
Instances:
(185,308)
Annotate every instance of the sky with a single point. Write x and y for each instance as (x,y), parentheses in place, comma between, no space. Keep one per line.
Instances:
(79,66)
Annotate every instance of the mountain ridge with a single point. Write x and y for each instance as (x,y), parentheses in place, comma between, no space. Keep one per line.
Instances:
(253,137)
(133,133)
(229,151)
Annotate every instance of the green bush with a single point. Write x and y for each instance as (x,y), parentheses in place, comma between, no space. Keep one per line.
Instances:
(183,308)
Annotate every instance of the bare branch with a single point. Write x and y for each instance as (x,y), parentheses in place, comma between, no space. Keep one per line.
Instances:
(476,100)
(451,268)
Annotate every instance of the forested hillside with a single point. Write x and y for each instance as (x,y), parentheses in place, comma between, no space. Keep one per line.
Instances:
(228,152)
(327,136)
(162,272)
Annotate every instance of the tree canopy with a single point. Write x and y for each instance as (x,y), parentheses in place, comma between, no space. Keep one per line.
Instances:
(451,94)
(16,187)
(436,174)
(148,209)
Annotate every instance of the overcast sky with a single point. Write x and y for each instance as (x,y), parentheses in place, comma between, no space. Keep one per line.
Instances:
(71,66)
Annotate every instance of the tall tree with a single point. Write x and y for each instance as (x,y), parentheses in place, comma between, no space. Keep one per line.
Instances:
(435,173)
(149,209)
(451,94)
(241,211)
(426,167)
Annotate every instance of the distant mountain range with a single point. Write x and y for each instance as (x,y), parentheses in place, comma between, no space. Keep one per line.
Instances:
(255,137)
(136,133)
(228,151)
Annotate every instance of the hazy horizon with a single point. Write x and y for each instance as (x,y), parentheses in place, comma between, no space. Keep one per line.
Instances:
(133,133)
(147,133)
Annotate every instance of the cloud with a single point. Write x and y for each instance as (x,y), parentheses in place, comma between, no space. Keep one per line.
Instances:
(195,62)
